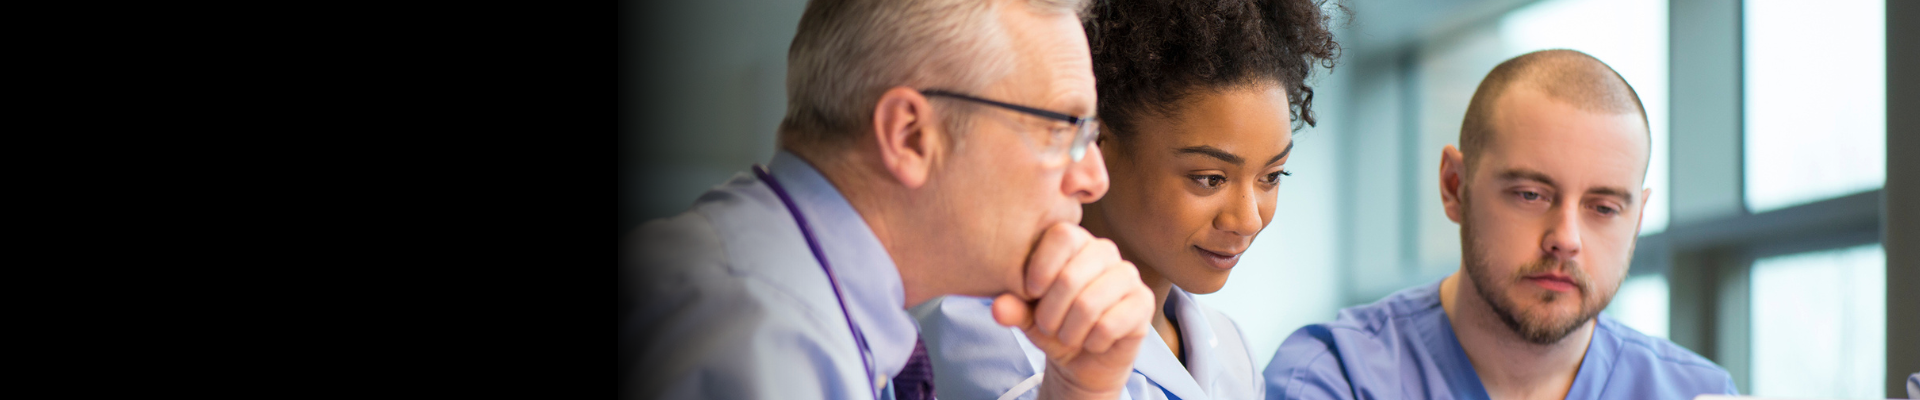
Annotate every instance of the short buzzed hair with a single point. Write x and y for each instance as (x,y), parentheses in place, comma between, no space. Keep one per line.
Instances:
(847,53)
(1571,77)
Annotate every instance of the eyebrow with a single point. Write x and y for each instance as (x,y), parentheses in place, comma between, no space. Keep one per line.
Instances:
(1211,151)
(1522,174)
(1283,154)
(1623,194)
(1537,176)
(1223,155)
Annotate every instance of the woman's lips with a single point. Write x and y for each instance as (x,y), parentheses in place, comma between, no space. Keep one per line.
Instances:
(1218,260)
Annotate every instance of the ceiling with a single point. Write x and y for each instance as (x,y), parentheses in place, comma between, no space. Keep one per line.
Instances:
(1383,26)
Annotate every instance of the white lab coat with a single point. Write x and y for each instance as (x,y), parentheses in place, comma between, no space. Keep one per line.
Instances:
(974,358)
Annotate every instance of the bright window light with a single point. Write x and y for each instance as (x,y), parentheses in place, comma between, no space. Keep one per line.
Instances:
(1642,304)
(1820,324)
(1816,100)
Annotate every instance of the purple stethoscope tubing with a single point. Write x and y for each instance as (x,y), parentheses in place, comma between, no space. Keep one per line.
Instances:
(859,338)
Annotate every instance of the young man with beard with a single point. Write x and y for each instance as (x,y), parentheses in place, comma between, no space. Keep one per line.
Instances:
(1553,145)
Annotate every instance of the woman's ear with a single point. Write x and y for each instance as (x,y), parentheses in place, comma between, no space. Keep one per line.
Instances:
(910,138)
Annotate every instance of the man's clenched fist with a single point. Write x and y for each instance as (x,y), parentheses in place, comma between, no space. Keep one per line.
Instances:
(1085,307)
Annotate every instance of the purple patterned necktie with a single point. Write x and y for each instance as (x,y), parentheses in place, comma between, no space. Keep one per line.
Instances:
(915,382)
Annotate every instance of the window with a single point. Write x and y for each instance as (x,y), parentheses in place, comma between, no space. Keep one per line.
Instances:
(1815,86)
(1641,304)
(1819,324)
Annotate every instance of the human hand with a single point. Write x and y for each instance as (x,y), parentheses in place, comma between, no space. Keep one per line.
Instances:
(1085,308)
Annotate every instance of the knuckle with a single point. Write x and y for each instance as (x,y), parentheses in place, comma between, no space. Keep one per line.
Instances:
(1084,303)
(1108,327)
(1075,277)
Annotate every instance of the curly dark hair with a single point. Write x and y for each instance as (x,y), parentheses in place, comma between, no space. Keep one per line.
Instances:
(1150,54)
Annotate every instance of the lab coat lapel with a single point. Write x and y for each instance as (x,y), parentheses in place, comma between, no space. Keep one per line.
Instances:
(1197,335)
(1163,369)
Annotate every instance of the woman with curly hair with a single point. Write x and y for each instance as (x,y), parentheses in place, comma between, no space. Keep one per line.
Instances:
(1198,102)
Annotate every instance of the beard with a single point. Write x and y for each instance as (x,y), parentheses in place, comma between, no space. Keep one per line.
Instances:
(1536,326)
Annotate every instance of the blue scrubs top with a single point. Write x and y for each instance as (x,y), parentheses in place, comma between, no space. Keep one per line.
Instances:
(1403,347)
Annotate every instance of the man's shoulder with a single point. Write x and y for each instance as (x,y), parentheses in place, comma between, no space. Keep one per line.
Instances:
(1310,363)
(717,252)
(672,247)
(1642,366)
(736,231)
(716,294)
(1384,319)
(1316,361)
(1640,355)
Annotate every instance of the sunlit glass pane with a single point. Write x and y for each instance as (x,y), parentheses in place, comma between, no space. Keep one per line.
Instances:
(1641,304)
(1820,324)
(1816,103)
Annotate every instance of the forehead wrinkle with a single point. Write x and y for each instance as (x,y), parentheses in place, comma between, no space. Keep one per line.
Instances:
(1062,51)
(1034,52)
(1622,193)
(1591,87)
(1531,125)
(1564,76)
(1526,174)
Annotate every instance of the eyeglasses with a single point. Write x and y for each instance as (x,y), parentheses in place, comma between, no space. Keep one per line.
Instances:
(1084,128)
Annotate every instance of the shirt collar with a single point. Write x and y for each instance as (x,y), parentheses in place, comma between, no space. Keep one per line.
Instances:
(1588,382)
(1596,367)
(1449,357)
(1159,364)
(1197,336)
(874,295)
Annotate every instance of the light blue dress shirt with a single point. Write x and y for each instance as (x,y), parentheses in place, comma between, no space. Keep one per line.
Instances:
(974,358)
(731,303)
(1403,347)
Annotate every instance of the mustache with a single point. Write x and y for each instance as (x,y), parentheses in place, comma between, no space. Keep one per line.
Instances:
(1569,268)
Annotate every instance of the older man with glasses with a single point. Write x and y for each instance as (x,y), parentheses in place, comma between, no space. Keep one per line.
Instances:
(930,148)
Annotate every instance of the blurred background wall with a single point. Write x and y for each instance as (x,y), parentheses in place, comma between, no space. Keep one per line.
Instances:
(1779,241)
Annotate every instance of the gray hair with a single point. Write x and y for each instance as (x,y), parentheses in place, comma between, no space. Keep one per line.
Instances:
(848,52)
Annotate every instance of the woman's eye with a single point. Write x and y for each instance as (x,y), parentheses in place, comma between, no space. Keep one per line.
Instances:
(1274,178)
(1209,181)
